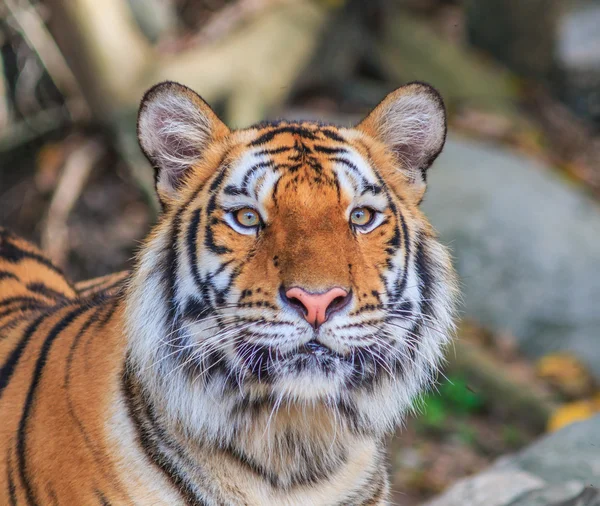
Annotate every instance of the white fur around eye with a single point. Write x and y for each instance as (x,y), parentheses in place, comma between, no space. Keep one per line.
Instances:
(378,219)
(377,203)
(231,220)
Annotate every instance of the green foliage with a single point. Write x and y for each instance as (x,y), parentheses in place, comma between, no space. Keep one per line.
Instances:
(459,397)
(453,398)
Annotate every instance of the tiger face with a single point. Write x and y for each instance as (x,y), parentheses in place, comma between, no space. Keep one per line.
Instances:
(292,265)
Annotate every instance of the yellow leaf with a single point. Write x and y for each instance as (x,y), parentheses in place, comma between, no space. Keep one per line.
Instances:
(566,373)
(570,413)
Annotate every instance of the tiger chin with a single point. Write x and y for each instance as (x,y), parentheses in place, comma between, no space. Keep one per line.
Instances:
(283,313)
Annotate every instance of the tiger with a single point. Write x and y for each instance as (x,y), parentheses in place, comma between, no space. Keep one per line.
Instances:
(281,317)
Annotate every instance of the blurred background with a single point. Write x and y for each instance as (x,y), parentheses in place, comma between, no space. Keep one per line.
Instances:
(515,193)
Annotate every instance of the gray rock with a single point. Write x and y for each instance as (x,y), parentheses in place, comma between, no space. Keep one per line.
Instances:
(566,494)
(571,454)
(578,58)
(561,469)
(494,488)
(527,246)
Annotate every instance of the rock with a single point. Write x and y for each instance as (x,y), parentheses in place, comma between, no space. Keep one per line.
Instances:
(561,469)
(568,455)
(527,247)
(578,58)
(495,488)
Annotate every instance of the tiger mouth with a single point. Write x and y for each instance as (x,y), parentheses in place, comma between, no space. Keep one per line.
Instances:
(317,349)
(260,359)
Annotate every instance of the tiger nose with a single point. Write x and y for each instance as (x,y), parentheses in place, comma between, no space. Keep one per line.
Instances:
(317,307)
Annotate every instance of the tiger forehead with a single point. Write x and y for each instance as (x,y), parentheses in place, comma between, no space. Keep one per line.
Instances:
(292,146)
(286,156)
(308,132)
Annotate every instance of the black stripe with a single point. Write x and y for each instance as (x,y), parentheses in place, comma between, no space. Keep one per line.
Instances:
(372,188)
(336,184)
(399,291)
(101,498)
(235,190)
(274,192)
(170,265)
(12,491)
(8,275)
(209,238)
(13,254)
(150,434)
(98,298)
(93,319)
(98,457)
(20,298)
(23,307)
(46,291)
(25,417)
(196,309)
(273,151)
(90,286)
(311,467)
(293,129)
(309,476)
(13,322)
(301,150)
(9,366)
(377,494)
(94,283)
(353,168)
(328,150)
(114,302)
(253,466)
(332,135)
(99,289)
(252,170)
(192,245)
(423,266)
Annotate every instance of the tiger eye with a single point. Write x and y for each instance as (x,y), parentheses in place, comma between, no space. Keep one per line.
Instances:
(361,216)
(247,217)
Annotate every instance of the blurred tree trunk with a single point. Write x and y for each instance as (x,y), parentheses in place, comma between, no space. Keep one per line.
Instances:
(346,65)
(116,63)
(519,33)
(250,70)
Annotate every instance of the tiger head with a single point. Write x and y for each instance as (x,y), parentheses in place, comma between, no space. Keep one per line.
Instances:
(291,265)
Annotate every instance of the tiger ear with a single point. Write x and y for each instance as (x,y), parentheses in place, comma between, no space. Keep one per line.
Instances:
(175,128)
(411,122)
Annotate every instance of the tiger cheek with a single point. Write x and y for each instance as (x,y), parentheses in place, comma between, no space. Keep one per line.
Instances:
(376,248)
(258,281)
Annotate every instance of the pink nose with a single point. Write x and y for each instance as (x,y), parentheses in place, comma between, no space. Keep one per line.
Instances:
(317,307)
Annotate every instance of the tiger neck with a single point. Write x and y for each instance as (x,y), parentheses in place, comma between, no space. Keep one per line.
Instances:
(275,450)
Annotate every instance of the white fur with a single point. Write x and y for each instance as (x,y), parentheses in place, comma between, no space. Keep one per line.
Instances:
(412,122)
(173,132)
